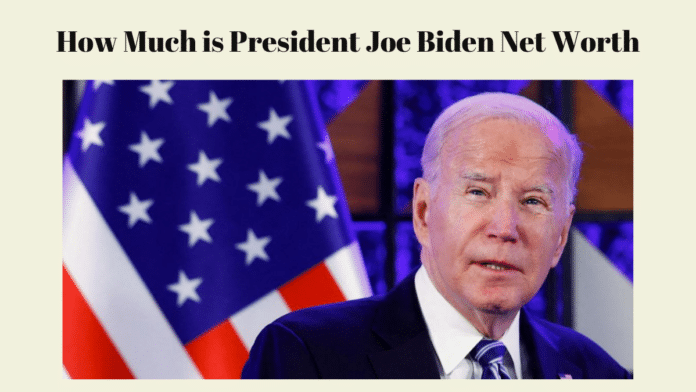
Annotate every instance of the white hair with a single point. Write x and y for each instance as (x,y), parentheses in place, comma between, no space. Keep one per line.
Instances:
(472,110)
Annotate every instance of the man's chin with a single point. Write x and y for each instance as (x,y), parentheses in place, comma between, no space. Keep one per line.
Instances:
(496,310)
(500,307)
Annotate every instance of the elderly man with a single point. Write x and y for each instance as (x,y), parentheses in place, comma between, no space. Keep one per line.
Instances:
(492,214)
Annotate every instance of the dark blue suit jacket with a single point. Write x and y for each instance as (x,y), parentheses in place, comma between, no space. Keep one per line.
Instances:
(386,337)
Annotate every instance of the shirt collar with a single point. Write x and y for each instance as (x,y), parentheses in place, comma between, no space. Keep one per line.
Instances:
(452,335)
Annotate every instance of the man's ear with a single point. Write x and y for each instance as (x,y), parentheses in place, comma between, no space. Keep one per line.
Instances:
(565,232)
(421,209)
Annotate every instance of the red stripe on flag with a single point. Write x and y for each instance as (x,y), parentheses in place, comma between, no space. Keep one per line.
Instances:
(219,353)
(87,350)
(314,287)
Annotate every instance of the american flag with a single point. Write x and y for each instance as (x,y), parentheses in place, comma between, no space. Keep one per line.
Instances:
(195,213)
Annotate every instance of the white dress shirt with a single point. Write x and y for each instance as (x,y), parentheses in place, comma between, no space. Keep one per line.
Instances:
(454,337)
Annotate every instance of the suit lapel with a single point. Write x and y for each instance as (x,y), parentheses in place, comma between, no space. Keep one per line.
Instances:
(545,359)
(400,327)
(408,352)
(411,360)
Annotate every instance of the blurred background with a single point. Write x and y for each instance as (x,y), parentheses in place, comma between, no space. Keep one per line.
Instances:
(377,130)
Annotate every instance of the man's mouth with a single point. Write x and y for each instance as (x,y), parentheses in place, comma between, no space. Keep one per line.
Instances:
(498,265)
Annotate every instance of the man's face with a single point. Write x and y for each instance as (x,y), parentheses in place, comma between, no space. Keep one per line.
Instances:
(496,218)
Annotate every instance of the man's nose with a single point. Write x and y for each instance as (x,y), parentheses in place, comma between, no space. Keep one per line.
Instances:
(504,221)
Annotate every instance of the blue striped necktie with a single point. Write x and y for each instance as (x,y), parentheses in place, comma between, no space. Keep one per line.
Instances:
(490,353)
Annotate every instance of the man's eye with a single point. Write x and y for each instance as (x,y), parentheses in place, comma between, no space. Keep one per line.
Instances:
(532,201)
(477,192)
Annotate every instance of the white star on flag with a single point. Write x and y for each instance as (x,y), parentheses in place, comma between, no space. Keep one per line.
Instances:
(147,149)
(205,168)
(90,134)
(136,210)
(324,204)
(254,247)
(185,289)
(98,83)
(325,145)
(265,188)
(216,109)
(275,126)
(158,91)
(197,229)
